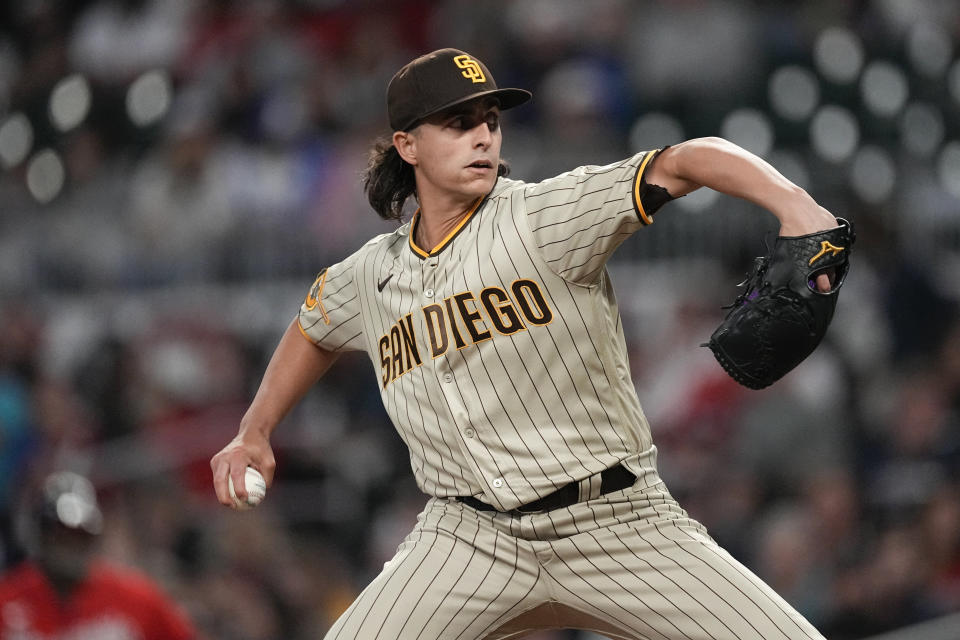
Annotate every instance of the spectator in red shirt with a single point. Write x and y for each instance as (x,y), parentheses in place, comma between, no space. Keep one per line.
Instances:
(63,592)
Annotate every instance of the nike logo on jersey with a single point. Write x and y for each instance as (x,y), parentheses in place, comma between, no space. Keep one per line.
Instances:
(383,283)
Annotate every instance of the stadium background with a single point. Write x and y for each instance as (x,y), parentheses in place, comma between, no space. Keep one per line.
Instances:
(173,173)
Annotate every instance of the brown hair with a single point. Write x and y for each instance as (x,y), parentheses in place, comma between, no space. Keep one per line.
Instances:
(389,180)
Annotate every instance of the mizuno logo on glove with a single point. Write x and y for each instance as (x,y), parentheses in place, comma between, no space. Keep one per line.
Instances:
(825,247)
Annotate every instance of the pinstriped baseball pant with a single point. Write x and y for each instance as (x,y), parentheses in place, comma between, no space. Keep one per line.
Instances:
(628,565)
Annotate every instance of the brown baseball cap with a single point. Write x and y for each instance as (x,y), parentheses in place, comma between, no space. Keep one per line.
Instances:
(441,79)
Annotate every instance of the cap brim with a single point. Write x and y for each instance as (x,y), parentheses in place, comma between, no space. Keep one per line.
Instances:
(508,98)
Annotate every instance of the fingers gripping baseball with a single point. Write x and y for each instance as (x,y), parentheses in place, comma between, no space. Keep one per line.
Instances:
(230,465)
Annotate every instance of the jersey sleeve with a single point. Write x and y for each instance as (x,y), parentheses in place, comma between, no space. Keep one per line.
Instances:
(330,314)
(579,218)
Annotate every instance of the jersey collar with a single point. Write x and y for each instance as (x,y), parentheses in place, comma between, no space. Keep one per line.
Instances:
(421,253)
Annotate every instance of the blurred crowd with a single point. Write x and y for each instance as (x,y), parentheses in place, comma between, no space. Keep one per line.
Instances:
(175,172)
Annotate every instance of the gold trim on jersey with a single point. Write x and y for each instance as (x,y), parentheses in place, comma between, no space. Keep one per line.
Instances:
(458,340)
(517,287)
(501,311)
(304,333)
(470,317)
(637,201)
(526,307)
(398,350)
(450,236)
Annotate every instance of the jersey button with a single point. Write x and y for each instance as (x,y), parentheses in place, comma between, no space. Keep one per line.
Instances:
(497,483)
(428,293)
(448,377)
(469,432)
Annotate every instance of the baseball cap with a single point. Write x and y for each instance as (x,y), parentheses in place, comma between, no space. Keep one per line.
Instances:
(442,79)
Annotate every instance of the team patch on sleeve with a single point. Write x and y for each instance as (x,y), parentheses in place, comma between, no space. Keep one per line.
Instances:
(312,301)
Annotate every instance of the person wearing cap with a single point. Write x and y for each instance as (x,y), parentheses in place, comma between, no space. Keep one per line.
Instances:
(492,327)
(63,591)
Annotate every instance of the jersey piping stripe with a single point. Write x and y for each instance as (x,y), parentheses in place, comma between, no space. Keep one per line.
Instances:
(304,333)
(334,329)
(450,236)
(637,200)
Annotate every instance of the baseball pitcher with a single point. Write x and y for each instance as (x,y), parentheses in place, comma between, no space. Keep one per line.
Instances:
(493,331)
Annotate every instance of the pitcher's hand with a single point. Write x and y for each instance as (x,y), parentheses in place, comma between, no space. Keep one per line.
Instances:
(247,449)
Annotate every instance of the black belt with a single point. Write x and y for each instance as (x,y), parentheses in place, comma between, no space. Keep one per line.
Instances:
(612,479)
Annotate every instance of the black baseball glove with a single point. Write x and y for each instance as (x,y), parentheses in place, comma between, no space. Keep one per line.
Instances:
(780,317)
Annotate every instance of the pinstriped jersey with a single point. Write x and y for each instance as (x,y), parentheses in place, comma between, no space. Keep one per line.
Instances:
(500,352)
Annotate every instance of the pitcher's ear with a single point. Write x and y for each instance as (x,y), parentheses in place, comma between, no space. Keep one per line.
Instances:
(406,145)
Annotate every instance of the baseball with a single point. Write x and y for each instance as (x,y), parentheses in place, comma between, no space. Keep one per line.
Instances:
(256,490)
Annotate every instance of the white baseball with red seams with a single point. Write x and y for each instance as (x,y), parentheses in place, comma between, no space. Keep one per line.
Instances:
(256,490)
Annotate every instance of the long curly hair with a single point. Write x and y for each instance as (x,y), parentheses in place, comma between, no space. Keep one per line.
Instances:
(389,180)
